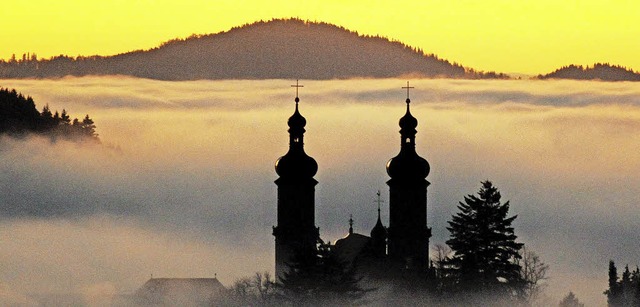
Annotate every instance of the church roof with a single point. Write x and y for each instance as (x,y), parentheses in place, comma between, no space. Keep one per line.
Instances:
(182,291)
(349,247)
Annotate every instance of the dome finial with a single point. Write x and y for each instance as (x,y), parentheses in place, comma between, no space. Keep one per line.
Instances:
(378,201)
(297,121)
(408,123)
(297,86)
(350,223)
(408,87)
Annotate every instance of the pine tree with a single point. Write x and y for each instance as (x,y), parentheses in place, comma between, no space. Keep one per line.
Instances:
(613,293)
(322,280)
(65,117)
(570,301)
(626,287)
(88,127)
(484,246)
(19,116)
(635,281)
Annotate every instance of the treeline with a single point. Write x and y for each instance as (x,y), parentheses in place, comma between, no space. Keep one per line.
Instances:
(599,71)
(623,291)
(29,66)
(279,48)
(19,116)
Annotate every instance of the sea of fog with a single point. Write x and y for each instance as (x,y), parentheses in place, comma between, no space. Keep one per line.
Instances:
(182,183)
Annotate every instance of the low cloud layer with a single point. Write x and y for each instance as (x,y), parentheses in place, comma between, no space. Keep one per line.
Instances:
(186,168)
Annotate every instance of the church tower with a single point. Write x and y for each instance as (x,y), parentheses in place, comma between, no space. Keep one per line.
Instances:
(379,236)
(408,241)
(296,234)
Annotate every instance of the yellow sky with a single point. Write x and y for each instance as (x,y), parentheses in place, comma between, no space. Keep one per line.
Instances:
(503,35)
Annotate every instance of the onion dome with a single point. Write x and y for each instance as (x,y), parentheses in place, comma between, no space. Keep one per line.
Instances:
(296,164)
(297,122)
(408,123)
(407,165)
(378,231)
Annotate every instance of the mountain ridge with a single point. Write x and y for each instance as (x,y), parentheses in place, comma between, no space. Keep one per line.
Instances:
(599,71)
(279,48)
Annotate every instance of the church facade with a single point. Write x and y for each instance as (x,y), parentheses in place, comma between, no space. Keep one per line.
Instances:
(403,245)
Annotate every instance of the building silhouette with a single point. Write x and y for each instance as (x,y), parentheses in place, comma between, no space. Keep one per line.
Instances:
(408,242)
(403,246)
(296,233)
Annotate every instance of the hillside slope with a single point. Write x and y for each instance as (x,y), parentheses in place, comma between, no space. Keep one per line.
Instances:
(291,48)
(598,71)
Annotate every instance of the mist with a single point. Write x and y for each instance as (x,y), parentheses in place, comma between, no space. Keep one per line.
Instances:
(182,182)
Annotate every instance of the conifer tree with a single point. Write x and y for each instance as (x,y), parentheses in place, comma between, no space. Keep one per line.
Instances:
(321,280)
(627,287)
(65,117)
(88,128)
(484,246)
(635,281)
(19,116)
(613,293)
(570,301)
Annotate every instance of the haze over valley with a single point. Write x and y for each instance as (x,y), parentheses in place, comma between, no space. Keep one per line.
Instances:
(182,184)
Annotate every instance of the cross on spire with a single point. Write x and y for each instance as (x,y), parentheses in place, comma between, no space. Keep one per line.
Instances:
(379,201)
(297,86)
(408,87)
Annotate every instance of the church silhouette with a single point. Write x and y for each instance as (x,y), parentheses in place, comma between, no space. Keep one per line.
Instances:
(401,247)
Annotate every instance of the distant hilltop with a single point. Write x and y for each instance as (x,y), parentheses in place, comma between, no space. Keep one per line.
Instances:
(280,48)
(599,71)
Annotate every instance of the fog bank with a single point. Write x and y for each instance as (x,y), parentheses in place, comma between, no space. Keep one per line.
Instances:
(182,184)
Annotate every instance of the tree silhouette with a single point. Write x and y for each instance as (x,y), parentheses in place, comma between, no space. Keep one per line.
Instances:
(570,301)
(258,290)
(533,273)
(19,116)
(88,128)
(322,280)
(599,71)
(624,291)
(484,247)
(613,293)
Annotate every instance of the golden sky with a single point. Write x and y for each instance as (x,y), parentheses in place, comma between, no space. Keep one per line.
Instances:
(527,36)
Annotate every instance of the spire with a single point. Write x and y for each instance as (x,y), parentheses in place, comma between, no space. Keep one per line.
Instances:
(296,123)
(408,164)
(408,87)
(379,233)
(378,230)
(350,223)
(408,235)
(379,201)
(296,233)
(296,163)
(408,123)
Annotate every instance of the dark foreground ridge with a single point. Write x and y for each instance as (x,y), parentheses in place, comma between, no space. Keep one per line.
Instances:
(280,48)
(599,71)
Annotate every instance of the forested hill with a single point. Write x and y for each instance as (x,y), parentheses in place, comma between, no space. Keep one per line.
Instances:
(282,48)
(599,71)
(19,117)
